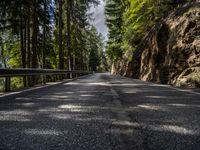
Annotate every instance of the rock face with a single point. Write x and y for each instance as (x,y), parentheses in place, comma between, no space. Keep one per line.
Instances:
(123,66)
(170,53)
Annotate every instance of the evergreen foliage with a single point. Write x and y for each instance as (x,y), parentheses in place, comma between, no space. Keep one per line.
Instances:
(130,20)
(48,34)
(114,19)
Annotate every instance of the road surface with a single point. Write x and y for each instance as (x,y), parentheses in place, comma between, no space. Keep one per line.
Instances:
(101,112)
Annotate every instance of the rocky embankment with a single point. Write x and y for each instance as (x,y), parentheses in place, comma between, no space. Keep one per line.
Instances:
(170,52)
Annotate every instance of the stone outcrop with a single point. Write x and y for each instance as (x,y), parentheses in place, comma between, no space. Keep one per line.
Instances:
(170,53)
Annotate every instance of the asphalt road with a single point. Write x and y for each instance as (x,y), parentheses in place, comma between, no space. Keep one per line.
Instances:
(101,112)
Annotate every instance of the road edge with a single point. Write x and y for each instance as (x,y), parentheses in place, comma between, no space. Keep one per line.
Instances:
(50,84)
(164,85)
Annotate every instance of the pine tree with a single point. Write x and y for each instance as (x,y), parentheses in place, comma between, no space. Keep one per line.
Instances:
(114,12)
(60,35)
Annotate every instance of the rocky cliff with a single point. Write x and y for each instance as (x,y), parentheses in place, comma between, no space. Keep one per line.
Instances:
(170,52)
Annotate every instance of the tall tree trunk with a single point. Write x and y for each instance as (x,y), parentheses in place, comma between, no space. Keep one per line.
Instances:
(25,40)
(22,38)
(28,44)
(34,35)
(44,38)
(60,22)
(23,52)
(73,31)
(28,41)
(34,39)
(44,43)
(69,7)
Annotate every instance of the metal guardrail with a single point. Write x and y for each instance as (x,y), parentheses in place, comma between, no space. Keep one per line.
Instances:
(32,72)
(8,73)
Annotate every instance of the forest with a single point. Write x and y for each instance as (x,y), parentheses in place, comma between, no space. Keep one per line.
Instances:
(49,34)
(58,34)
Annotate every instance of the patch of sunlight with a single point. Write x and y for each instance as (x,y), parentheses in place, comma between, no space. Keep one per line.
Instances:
(159,85)
(16,112)
(184,105)
(60,96)
(130,92)
(179,105)
(174,129)
(74,83)
(42,132)
(49,110)
(14,118)
(23,98)
(45,98)
(123,84)
(15,115)
(86,95)
(69,92)
(99,83)
(62,116)
(26,104)
(75,108)
(156,97)
(78,110)
(151,107)
(70,107)
(126,123)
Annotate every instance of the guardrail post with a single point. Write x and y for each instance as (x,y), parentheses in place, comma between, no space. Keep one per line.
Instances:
(7,84)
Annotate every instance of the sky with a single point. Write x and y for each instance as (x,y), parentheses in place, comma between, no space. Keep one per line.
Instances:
(99,19)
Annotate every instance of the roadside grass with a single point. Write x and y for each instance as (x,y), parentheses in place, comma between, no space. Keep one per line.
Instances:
(16,83)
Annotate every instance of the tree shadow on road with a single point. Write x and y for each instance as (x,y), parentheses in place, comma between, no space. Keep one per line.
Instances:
(83,115)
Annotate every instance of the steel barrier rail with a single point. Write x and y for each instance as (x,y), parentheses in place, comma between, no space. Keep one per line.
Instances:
(8,73)
(32,72)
